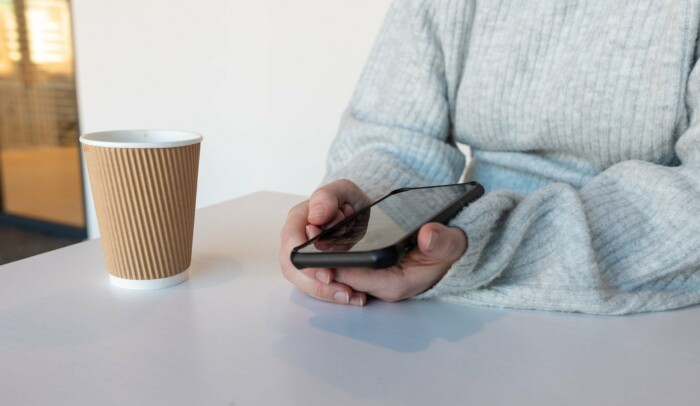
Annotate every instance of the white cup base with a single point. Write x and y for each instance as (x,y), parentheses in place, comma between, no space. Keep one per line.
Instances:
(149,284)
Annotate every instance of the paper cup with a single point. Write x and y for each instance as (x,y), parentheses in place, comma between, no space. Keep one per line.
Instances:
(144,184)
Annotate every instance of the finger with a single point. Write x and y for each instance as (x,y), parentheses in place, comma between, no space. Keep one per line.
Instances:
(339,216)
(293,232)
(312,231)
(296,231)
(306,279)
(316,282)
(332,292)
(358,299)
(438,247)
(326,201)
(372,281)
(441,243)
(347,210)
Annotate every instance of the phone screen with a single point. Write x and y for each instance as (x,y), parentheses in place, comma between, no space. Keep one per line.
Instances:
(387,221)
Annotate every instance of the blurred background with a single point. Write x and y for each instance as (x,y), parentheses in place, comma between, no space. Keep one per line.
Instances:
(41,191)
(264,81)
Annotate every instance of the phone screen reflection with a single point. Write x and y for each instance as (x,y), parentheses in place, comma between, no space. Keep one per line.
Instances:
(387,221)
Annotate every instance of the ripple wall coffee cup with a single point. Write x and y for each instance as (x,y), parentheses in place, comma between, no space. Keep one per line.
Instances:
(144,184)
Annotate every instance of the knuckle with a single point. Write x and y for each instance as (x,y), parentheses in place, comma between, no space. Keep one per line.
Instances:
(286,272)
(344,183)
(347,183)
(285,239)
(284,232)
(318,291)
(300,207)
(320,196)
(292,211)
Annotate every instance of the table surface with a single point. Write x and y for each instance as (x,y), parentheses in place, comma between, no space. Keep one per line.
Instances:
(237,333)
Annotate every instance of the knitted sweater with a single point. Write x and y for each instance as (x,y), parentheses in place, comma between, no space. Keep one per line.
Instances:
(584,122)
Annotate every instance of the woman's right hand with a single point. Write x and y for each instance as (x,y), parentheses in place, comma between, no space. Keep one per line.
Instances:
(326,206)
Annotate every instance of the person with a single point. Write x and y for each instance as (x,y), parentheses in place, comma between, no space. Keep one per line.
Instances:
(583,119)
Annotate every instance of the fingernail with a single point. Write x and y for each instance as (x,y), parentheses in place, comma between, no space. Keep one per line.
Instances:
(323,277)
(347,210)
(432,241)
(341,297)
(357,300)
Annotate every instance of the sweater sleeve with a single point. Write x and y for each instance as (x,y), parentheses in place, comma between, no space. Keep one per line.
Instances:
(395,132)
(628,241)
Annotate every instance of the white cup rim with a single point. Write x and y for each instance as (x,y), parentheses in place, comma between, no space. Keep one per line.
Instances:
(141,138)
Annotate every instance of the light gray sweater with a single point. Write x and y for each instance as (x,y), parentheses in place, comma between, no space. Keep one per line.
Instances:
(584,122)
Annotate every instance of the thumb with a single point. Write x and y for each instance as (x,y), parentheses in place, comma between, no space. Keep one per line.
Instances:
(442,243)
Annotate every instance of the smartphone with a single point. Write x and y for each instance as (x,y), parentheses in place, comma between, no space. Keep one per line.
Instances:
(379,235)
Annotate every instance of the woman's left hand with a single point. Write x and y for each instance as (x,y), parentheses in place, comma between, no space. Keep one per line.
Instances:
(439,246)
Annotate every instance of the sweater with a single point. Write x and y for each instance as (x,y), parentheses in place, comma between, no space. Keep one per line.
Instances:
(583,118)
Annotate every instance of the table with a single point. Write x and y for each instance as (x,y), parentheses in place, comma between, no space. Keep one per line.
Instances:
(237,333)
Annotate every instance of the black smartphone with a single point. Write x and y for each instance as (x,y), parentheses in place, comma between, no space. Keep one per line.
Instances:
(379,235)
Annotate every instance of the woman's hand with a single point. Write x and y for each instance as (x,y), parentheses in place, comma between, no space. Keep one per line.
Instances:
(326,206)
(438,248)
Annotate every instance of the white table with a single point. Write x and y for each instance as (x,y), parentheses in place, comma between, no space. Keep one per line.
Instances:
(237,333)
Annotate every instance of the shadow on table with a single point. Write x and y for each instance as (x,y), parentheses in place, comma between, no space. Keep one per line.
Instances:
(344,341)
(408,326)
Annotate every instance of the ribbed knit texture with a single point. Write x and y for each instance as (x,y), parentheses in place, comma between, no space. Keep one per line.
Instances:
(583,121)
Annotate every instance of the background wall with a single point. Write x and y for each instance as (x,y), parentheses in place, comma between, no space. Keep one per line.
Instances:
(264,81)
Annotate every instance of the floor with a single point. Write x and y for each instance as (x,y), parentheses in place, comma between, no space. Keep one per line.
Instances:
(17,243)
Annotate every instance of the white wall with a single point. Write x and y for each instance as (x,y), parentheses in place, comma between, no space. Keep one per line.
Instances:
(265,81)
